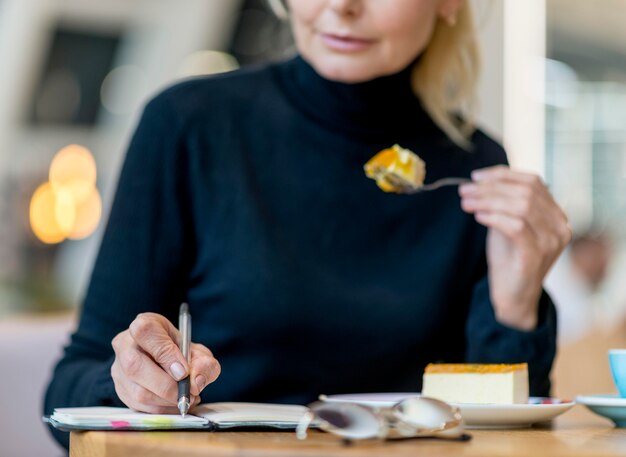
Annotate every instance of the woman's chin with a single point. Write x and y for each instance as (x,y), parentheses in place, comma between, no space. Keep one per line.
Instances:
(349,71)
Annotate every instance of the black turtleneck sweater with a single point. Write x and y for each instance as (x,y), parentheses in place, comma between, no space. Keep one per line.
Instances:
(244,195)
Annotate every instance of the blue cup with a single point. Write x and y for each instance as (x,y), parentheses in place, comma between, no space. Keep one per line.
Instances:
(617,361)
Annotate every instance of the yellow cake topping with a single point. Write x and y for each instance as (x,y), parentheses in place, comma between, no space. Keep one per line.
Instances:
(396,169)
(474,368)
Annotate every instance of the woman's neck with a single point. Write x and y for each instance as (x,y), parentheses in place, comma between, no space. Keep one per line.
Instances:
(382,105)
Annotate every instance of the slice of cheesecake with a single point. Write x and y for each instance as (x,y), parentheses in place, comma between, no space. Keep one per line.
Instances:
(477,383)
(396,169)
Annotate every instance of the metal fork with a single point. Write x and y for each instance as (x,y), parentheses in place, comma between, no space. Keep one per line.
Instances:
(408,188)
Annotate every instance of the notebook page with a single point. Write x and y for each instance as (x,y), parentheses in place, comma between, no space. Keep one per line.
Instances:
(250,413)
(121,418)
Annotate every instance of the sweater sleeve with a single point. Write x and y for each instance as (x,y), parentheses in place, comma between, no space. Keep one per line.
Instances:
(141,266)
(488,341)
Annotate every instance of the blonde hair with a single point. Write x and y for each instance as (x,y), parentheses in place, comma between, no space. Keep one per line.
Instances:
(446,76)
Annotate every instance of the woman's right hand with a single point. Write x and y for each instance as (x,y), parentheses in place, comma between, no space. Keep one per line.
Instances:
(148,364)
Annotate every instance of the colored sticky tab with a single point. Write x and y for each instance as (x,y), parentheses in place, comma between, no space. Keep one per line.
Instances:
(158,421)
(120,424)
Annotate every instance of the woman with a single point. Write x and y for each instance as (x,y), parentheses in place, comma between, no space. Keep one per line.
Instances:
(244,195)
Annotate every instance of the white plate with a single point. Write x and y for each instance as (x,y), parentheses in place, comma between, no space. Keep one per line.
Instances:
(610,406)
(475,415)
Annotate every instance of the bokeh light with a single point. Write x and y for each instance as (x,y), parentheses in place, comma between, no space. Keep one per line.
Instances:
(74,168)
(123,89)
(69,205)
(88,214)
(43,215)
(64,208)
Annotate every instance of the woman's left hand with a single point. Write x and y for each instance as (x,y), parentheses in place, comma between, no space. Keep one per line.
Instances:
(527,231)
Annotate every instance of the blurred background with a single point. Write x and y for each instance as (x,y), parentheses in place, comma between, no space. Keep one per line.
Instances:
(75,74)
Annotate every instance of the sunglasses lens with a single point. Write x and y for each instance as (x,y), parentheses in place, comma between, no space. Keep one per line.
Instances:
(335,418)
(349,420)
(426,413)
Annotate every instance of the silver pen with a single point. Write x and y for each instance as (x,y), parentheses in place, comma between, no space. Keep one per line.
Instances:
(184,328)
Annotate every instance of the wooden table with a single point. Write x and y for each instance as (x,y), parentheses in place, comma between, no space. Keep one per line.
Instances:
(575,435)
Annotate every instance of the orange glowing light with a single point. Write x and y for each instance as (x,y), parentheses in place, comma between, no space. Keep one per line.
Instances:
(43,215)
(69,205)
(64,208)
(88,215)
(74,169)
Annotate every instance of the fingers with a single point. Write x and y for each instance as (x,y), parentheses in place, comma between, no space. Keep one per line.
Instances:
(516,194)
(141,399)
(144,370)
(513,227)
(155,335)
(205,369)
(506,198)
(520,206)
(529,187)
(504,173)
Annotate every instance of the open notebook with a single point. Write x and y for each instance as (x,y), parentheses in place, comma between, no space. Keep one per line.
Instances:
(209,416)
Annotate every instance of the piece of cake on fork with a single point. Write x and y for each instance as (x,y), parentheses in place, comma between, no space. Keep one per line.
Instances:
(396,169)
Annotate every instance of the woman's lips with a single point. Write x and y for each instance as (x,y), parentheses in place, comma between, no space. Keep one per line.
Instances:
(345,43)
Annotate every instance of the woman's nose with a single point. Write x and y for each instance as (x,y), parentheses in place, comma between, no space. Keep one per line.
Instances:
(346,7)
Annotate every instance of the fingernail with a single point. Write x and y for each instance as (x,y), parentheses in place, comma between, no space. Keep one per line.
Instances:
(477,175)
(200,382)
(467,188)
(468,202)
(177,371)
(468,206)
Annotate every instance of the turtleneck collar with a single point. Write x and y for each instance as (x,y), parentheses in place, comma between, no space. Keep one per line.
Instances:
(382,106)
